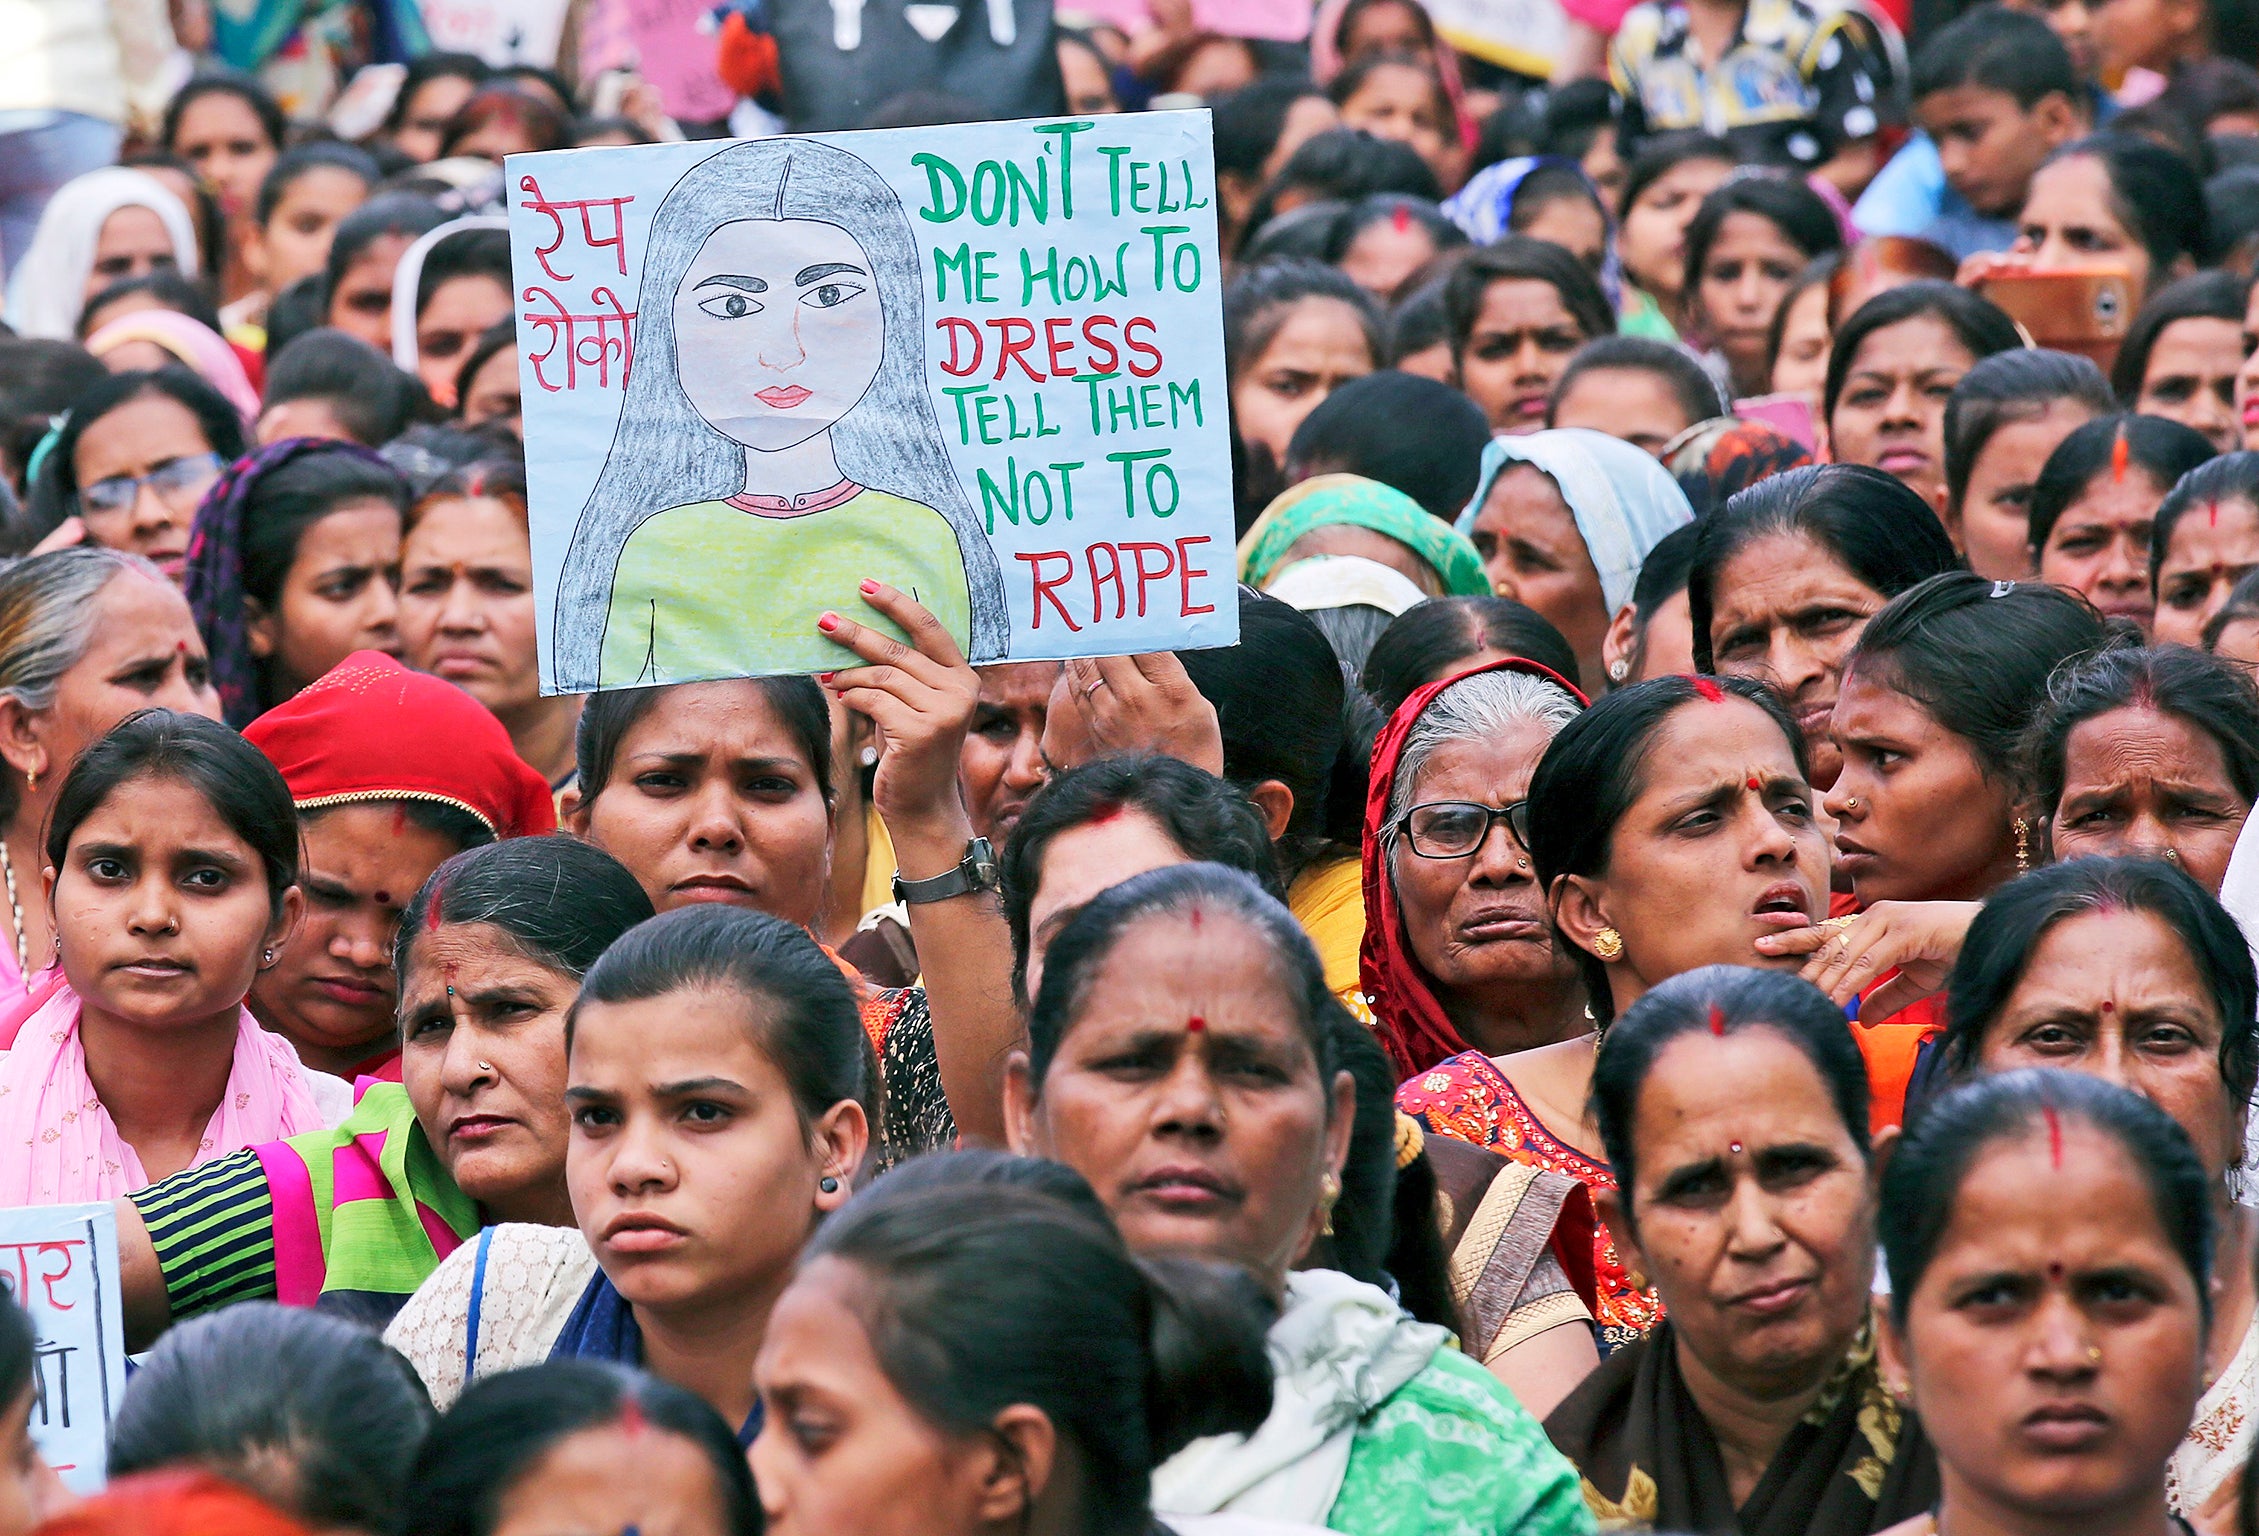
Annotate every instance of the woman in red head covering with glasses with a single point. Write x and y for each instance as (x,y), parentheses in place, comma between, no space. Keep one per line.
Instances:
(393,772)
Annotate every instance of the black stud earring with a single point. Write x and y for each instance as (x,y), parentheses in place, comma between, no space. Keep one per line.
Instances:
(828,1184)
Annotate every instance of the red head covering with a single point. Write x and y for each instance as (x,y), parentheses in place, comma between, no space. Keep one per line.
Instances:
(1412,1022)
(374,730)
(171,1503)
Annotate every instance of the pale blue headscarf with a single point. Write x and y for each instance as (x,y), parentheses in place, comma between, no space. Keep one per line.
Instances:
(1623,500)
(1484,208)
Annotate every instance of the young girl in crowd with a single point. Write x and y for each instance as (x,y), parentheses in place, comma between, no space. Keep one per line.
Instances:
(303,197)
(2094,509)
(979,1345)
(1293,333)
(461,280)
(1663,188)
(295,565)
(1518,309)
(1892,369)
(2181,356)
(701,1155)
(2004,418)
(230,131)
(364,253)
(171,878)
(467,610)
(2050,1249)
(2196,561)
(1744,247)
(87,637)
(472,1134)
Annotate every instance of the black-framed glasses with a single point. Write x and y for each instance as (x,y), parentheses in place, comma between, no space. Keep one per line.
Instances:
(175,481)
(1454,829)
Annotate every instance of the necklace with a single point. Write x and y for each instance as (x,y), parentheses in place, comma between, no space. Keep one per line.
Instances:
(16,911)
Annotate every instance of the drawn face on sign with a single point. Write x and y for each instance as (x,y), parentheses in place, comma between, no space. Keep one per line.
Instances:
(778,330)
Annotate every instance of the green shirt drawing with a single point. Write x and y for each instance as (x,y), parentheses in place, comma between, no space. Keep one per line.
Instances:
(701,587)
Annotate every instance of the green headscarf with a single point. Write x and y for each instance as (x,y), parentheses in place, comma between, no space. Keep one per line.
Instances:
(1325,500)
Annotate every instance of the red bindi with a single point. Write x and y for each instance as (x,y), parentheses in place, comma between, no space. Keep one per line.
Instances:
(2108,1006)
(2054,1135)
(1401,220)
(181,646)
(1755,784)
(1195,1025)
(1708,688)
(2055,1271)
(1196,918)
(384,898)
(2119,452)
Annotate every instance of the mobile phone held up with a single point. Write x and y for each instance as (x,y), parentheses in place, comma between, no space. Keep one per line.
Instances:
(2084,310)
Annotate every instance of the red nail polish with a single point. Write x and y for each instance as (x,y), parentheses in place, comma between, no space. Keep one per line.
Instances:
(870,588)
(828,622)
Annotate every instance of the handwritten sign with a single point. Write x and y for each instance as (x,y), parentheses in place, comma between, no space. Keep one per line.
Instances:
(60,1262)
(981,363)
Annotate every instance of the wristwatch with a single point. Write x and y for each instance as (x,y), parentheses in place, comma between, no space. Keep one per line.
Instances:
(976,871)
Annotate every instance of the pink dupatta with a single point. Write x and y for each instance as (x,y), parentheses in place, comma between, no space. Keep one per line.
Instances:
(58,1145)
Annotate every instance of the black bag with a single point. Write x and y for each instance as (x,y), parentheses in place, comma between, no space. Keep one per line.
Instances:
(842,60)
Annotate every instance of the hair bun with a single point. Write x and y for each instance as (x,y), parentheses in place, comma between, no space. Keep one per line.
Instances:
(1211,1369)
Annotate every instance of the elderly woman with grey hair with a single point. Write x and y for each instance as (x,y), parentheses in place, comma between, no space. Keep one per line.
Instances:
(88,636)
(1459,951)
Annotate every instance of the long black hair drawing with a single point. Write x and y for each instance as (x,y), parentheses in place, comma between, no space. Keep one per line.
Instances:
(776,441)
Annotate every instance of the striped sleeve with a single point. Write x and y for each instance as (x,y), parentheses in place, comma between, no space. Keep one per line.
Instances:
(214,1232)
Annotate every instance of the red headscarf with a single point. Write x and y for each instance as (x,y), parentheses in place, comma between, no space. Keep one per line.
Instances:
(1411,1019)
(172,1502)
(373,729)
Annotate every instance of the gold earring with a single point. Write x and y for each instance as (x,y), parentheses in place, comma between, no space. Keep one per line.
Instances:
(1329,1190)
(1608,945)
(2023,845)
(31,785)
(1637,1280)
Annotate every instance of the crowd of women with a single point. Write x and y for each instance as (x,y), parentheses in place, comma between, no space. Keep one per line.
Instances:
(1688,972)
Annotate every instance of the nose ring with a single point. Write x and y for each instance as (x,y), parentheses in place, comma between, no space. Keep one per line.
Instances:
(483,1067)
(1851,803)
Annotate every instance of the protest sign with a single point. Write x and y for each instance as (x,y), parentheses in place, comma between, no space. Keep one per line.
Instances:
(981,363)
(60,1262)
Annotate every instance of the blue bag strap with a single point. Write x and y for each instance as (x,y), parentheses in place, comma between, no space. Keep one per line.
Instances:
(478,1292)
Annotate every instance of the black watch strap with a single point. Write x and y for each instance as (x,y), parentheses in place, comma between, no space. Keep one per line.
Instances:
(975,872)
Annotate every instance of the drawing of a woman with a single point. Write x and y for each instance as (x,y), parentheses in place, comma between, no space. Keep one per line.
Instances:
(776,443)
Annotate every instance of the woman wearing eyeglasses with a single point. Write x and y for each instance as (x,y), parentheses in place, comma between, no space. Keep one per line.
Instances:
(129,463)
(1671,827)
